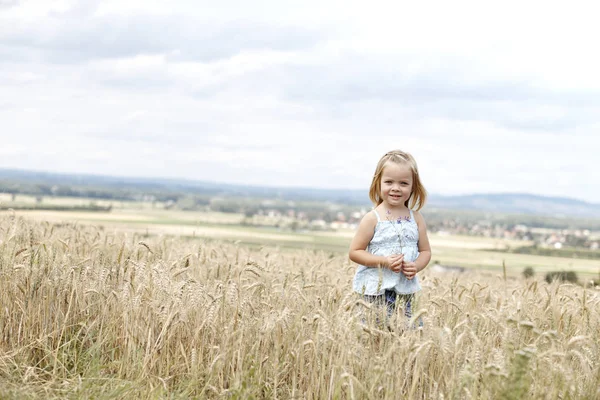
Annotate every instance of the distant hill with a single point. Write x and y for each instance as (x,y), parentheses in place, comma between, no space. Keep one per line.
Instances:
(514,203)
(148,185)
(518,203)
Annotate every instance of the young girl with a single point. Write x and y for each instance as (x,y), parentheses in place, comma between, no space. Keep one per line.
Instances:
(391,244)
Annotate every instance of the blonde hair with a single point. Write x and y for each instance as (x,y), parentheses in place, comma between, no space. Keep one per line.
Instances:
(419,194)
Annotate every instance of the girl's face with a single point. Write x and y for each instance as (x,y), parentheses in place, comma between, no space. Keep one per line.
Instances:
(396,184)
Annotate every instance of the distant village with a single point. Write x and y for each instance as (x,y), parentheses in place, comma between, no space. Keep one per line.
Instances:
(328,216)
(544,237)
(344,220)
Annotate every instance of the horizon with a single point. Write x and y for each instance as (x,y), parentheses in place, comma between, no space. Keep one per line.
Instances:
(271,187)
(307,94)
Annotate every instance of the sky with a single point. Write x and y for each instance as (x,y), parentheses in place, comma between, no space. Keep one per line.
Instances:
(489,98)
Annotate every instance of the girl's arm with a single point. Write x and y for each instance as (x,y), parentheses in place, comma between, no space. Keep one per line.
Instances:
(424,247)
(358,248)
(410,269)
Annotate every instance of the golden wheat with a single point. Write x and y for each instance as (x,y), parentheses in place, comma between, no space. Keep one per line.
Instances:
(89,313)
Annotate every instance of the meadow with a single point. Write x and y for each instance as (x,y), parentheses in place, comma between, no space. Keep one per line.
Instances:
(130,310)
(450,250)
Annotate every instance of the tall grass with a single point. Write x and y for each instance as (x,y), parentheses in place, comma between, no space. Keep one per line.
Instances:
(86,313)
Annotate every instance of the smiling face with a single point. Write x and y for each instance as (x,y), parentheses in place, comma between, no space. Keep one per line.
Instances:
(398,162)
(396,184)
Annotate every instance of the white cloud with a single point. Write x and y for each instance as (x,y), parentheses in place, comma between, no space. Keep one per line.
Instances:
(488,97)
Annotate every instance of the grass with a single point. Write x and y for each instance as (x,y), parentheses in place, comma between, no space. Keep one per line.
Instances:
(87,312)
(465,251)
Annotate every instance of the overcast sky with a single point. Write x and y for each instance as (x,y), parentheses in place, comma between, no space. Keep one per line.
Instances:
(488,98)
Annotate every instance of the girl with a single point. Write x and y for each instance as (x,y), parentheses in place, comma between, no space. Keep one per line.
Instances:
(391,244)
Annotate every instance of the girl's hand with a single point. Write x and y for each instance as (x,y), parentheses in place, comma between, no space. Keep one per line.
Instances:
(409,269)
(394,262)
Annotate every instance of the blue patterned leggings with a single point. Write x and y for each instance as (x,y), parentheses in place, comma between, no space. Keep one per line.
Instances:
(389,299)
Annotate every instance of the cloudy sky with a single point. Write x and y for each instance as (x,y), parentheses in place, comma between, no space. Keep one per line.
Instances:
(488,98)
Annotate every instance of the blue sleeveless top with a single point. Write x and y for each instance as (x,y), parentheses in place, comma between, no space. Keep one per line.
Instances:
(390,237)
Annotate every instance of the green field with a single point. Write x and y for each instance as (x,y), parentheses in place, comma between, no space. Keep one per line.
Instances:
(448,250)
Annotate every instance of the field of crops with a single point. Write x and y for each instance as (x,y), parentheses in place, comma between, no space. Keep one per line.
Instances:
(87,312)
(451,250)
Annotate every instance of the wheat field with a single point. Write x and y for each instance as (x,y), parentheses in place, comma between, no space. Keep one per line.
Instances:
(91,313)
